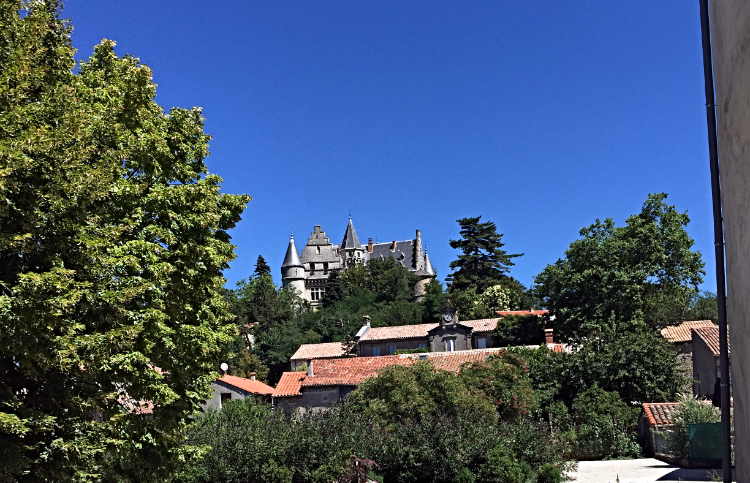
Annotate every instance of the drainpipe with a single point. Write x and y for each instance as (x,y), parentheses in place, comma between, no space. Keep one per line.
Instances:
(721,297)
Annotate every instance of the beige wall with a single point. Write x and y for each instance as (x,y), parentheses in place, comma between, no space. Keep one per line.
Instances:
(730,37)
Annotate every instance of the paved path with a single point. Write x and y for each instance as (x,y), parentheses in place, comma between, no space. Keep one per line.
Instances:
(645,470)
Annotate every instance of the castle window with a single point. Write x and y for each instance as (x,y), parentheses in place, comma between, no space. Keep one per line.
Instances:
(317,249)
(316,293)
(312,269)
(325,268)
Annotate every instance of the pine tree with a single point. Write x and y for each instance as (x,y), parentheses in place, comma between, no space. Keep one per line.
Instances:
(261,267)
(483,263)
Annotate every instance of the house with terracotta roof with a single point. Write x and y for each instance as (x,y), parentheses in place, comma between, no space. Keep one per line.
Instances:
(681,335)
(706,372)
(655,420)
(308,352)
(227,388)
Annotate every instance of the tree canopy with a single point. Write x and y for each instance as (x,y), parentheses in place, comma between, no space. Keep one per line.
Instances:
(643,271)
(113,239)
(261,267)
(482,263)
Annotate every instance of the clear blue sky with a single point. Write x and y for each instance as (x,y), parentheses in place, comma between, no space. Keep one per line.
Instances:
(540,116)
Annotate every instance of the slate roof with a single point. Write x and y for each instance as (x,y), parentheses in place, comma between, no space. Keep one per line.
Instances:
(428,268)
(659,413)
(254,387)
(398,332)
(710,335)
(403,252)
(682,332)
(289,384)
(318,351)
(292,257)
(351,241)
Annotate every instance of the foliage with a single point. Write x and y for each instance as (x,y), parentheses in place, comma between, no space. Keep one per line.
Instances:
(464,475)
(690,411)
(491,300)
(501,467)
(643,272)
(335,290)
(703,306)
(549,474)
(433,302)
(113,238)
(483,263)
(261,267)
(604,425)
(515,330)
(419,350)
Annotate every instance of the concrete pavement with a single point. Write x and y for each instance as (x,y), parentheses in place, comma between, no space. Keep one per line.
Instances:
(646,470)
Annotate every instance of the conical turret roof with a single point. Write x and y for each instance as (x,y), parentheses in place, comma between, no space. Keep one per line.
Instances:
(428,268)
(351,241)
(292,256)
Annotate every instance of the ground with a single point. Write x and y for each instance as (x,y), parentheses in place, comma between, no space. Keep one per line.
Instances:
(645,470)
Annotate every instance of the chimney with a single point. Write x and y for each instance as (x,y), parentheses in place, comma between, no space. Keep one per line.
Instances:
(393,246)
(531,310)
(252,376)
(549,336)
(369,245)
(310,372)
(366,319)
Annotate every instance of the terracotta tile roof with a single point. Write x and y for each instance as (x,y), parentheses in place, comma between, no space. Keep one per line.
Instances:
(659,413)
(481,325)
(521,312)
(398,332)
(318,351)
(254,387)
(354,370)
(682,332)
(289,384)
(710,335)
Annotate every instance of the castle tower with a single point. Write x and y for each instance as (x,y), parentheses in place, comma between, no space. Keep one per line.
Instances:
(292,270)
(425,274)
(352,252)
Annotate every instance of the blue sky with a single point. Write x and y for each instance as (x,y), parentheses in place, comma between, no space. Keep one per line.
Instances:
(540,116)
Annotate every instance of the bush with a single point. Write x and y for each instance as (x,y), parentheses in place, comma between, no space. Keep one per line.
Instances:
(501,467)
(418,350)
(604,425)
(518,330)
(549,474)
(690,411)
(464,476)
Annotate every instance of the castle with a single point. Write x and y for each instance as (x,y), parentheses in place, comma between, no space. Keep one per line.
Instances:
(308,273)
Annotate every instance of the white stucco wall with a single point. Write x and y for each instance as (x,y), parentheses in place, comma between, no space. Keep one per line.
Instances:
(730,37)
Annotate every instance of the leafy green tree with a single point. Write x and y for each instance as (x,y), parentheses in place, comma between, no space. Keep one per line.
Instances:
(501,466)
(483,263)
(515,330)
(113,239)
(703,306)
(624,274)
(493,299)
(335,290)
(261,267)
(433,302)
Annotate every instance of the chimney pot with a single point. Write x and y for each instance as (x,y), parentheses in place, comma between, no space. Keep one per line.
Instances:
(393,246)
(532,310)
(549,336)
(369,245)
(366,319)
(252,376)
(310,372)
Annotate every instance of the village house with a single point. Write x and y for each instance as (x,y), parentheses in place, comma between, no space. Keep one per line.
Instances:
(706,367)
(227,388)
(655,419)
(681,335)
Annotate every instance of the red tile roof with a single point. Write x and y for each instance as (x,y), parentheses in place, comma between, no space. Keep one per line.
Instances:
(254,387)
(318,351)
(682,332)
(398,332)
(710,335)
(521,312)
(352,371)
(659,413)
(289,384)
(481,325)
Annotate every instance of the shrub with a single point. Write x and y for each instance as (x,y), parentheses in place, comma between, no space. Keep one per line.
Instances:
(418,350)
(604,425)
(549,474)
(690,411)
(501,467)
(464,476)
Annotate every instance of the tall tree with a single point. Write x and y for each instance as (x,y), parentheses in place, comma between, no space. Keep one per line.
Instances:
(113,238)
(624,274)
(483,263)
(261,267)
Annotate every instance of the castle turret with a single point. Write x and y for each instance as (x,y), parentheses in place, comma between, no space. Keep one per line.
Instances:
(292,270)
(352,252)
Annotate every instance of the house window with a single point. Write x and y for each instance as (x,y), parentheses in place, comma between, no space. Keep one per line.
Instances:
(316,293)
(391,349)
(376,351)
(225,396)
(422,345)
(312,269)
(450,345)
(481,343)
